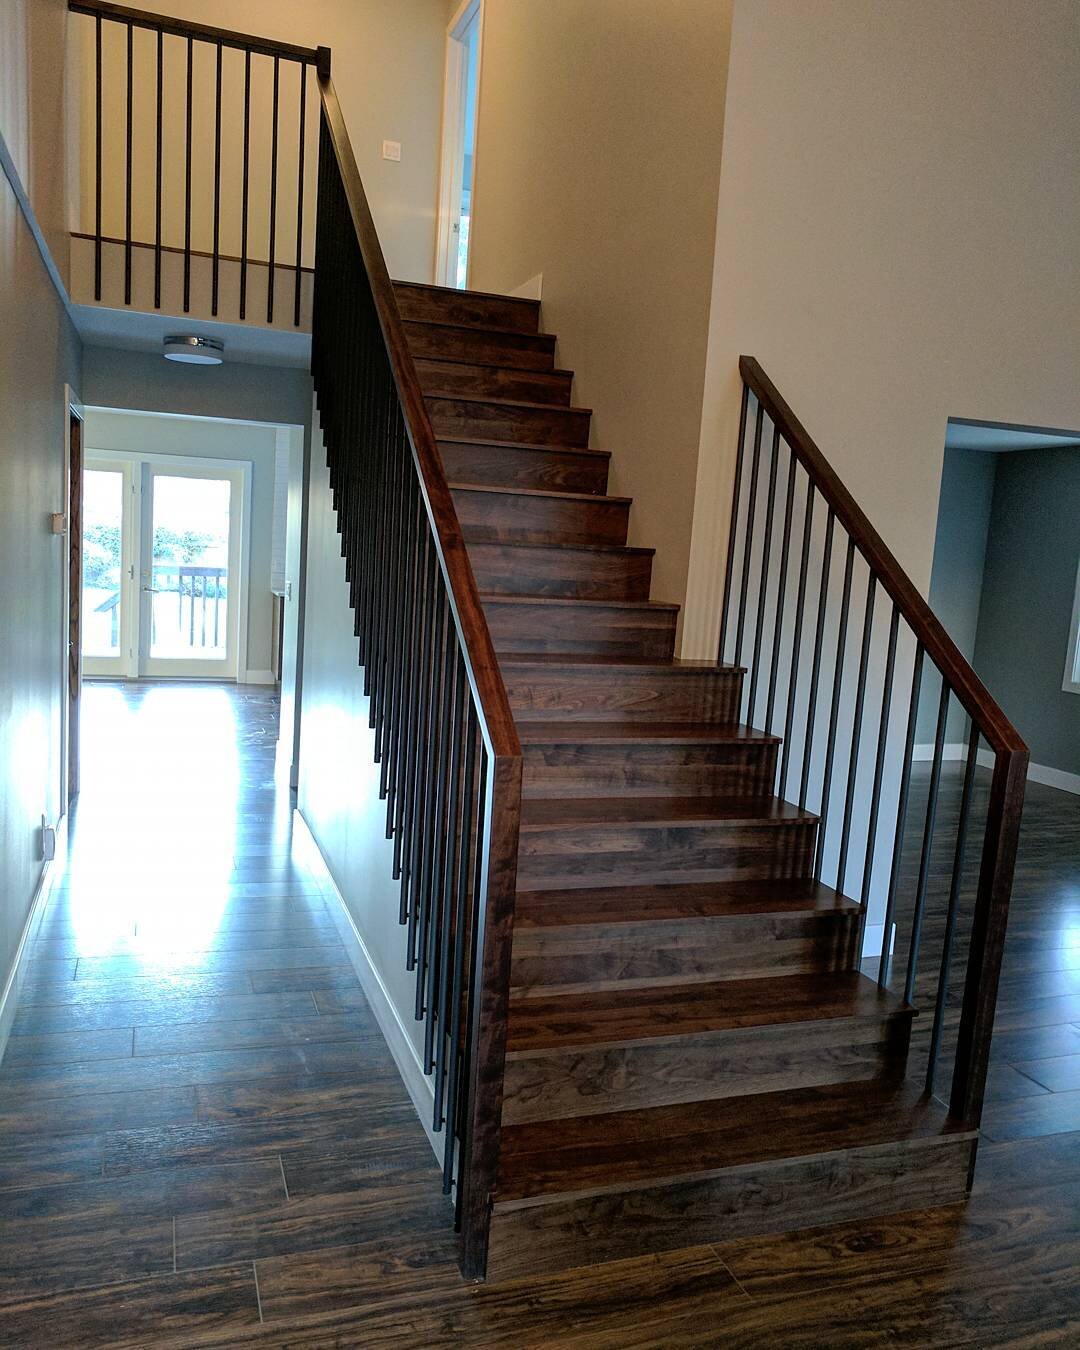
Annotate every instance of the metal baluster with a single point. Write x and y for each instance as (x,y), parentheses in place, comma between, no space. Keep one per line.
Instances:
(300,195)
(733,530)
(216,264)
(97,157)
(404,797)
(796,641)
(439,821)
(157,169)
(128,178)
(748,543)
(781,592)
(187,187)
(439,1001)
(815,668)
(901,810)
(928,841)
(856,732)
(431,800)
(879,759)
(763,588)
(954,906)
(834,708)
(244,187)
(273,194)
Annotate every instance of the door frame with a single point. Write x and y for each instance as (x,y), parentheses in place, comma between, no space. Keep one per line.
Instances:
(453,137)
(71,608)
(139,461)
(124,665)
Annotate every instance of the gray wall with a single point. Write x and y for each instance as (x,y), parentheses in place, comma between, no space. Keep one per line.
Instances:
(1031,561)
(956,583)
(39,351)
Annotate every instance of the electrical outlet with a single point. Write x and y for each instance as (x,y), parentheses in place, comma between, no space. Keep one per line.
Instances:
(392,150)
(48,840)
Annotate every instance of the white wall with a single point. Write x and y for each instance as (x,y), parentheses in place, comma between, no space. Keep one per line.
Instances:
(896,242)
(248,442)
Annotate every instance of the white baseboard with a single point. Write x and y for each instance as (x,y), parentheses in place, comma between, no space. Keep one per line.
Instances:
(9,999)
(420,1087)
(256,677)
(1037,773)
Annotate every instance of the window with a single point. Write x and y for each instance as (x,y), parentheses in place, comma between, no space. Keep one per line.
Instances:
(1072,659)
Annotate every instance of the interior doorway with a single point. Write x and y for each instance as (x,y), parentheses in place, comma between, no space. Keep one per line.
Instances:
(463,49)
(73,606)
(163,576)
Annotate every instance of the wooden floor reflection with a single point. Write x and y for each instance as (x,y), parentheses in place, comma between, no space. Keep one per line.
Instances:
(203,1140)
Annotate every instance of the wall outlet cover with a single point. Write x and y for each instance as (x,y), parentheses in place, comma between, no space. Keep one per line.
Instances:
(391,150)
(48,840)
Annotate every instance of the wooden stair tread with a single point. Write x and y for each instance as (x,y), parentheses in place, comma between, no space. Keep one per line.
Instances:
(567,1022)
(545,338)
(673,667)
(572,601)
(506,403)
(676,733)
(593,498)
(622,550)
(525,445)
(456,292)
(627,1148)
(658,904)
(569,813)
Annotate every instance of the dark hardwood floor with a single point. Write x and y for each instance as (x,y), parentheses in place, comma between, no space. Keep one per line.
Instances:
(204,1141)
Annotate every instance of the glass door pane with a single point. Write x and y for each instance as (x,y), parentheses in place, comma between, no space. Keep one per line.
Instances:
(103,599)
(471,40)
(189,596)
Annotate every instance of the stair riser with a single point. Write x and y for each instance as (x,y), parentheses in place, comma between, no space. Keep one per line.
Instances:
(718,1064)
(647,770)
(631,854)
(494,421)
(490,517)
(646,635)
(774,1197)
(582,574)
(591,957)
(522,351)
(495,382)
(469,310)
(622,694)
(503,466)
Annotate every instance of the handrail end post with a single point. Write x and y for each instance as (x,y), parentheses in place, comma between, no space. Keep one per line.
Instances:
(322,62)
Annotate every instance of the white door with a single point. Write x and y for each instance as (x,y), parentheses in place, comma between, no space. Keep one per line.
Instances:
(459,143)
(109,594)
(189,573)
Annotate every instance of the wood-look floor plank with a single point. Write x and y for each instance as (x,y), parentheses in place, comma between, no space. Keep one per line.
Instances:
(29,1114)
(206,1036)
(68,1047)
(50,1019)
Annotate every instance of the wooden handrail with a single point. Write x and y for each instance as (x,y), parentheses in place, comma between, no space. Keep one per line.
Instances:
(167,23)
(976,699)
(497,721)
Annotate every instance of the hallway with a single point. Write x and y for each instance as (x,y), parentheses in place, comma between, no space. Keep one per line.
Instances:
(204,1141)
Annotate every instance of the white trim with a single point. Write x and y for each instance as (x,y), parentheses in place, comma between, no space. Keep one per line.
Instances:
(1071,683)
(72,409)
(1037,773)
(257,677)
(452,137)
(9,1000)
(949,751)
(1055,778)
(419,1086)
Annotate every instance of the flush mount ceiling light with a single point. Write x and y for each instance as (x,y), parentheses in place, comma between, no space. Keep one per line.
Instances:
(195,351)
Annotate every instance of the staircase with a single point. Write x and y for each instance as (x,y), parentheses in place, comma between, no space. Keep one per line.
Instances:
(691,1052)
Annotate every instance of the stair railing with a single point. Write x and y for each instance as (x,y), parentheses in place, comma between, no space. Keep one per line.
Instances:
(444,732)
(804,569)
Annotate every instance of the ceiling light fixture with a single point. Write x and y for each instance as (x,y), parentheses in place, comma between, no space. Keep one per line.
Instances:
(193,350)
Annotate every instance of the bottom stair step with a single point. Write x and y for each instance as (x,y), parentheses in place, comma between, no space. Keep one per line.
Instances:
(599,1188)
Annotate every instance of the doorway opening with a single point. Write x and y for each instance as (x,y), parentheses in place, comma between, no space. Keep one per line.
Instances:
(463,48)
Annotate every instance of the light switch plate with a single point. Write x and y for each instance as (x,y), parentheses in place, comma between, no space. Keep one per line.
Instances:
(391,150)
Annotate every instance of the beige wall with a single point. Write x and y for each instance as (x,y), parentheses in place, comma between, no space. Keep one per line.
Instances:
(39,352)
(387,69)
(896,242)
(598,158)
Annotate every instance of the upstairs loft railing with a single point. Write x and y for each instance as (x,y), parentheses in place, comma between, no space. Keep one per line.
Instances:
(199,147)
(444,732)
(846,660)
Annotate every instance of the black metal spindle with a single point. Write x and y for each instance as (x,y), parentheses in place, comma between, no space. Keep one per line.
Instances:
(815,667)
(273,193)
(879,758)
(796,640)
(748,542)
(856,732)
(781,592)
(901,811)
(300,196)
(157,167)
(441,855)
(953,907)
(426,785)
(763,586)
(215,266)
(834,708)
(187,177)
(97,157)
(732,531)
(441,1006)
(927,841)
(129,163)
(244,187)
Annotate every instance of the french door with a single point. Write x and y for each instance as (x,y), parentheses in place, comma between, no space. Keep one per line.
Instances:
(163,587)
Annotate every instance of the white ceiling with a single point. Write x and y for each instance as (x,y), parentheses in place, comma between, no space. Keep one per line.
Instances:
(965,435)
(135,331)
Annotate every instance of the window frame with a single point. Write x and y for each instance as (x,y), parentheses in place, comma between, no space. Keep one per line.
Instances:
(1071,682)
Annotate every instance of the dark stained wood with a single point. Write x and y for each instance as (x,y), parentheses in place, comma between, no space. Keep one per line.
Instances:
(550,570)
(641,629)
(528,516)
(570,689)
(480,346)
(165,23)
(507,420)
(74,602)
(517,464)
(443,304)
(494,381)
